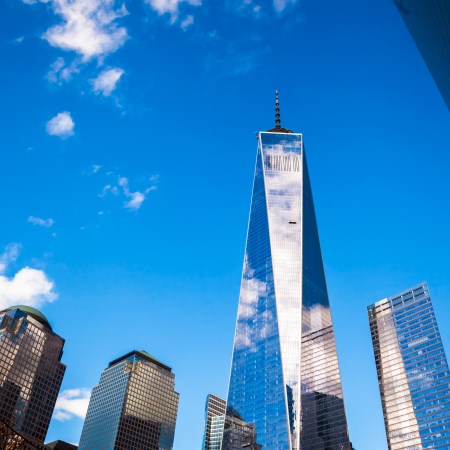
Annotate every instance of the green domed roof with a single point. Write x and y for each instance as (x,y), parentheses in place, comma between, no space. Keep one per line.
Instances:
(34,313)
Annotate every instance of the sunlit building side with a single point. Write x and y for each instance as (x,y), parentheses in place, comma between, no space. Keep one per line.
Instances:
(134,406)
(412,369)
(285,377)
(31,371)
(215,411)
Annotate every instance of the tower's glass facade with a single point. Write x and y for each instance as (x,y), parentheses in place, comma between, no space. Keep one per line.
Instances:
(412,371)
(215,411)
(284,376)
(133,407)
(428,22)
(31,371)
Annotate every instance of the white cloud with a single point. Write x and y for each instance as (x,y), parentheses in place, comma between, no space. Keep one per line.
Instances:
(133,199)
(88,27)
(187,22)
(170,6)
(46,223)
(61,125)
(72,403)
(107,81)
(280,5)
(27,287)
(95,168)
(60,72)
(10,255)
(136,200)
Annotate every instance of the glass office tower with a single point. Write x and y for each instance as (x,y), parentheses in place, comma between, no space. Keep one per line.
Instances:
(412,371)
(284,375)
(215,411)
(134,406)
(428,21)
(31,371)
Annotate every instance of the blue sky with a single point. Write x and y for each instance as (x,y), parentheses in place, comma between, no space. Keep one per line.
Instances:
(127,153)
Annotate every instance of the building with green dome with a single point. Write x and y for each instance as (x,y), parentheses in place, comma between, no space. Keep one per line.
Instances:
(31,371)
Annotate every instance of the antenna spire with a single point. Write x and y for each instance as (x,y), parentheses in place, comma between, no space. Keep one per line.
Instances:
(278,128)
(277,111)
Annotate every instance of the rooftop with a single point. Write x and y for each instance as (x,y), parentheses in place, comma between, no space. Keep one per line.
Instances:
(34,313)
(143,354)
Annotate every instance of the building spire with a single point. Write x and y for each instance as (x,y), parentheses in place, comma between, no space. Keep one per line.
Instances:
(277,111)
(278,128)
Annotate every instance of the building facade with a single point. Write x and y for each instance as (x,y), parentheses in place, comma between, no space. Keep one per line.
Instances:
(429,24)
(412,370)
(31,371)
(215,411)
(133,407)
(285,377)
(238,434)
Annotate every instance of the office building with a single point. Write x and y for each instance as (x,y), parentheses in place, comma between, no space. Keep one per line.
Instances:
(133,407)
(412,370)
(428,21)
(238,434)
(31,371)
(285,377)
(215,411)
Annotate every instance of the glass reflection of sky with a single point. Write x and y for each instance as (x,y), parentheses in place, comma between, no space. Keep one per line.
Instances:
(283,306)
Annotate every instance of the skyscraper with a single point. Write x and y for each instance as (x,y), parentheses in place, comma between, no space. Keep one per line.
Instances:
(31,371)
(134,406)
(238,434)
(215,411)
(412,370)
(284,374)
(428,21)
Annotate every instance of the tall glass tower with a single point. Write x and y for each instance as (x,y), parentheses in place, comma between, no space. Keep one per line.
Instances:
(133,407)
(412,369)
(284,375)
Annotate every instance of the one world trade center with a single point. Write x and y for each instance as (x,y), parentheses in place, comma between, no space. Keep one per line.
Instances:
(285,377)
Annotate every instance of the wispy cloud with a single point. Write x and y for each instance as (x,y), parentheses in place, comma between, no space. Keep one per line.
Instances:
(60,72)
(107,81)
(187,22)
(46,223)
(28,286)
(88,27)
(72,403)
(61,125)
(170,7)
(281,5)
(132,200)
(9,255)
(95,168)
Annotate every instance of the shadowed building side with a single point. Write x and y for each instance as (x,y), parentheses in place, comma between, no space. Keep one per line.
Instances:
(428,21)
(31,371)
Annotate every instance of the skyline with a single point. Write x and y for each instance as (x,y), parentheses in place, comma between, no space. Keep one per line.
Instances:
(180,123)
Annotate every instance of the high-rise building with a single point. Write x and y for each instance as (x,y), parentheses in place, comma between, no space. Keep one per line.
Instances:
(215,411)
(428,22)
(134,406)
(285,377)
(412,370)
(238,434)
(31,371)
